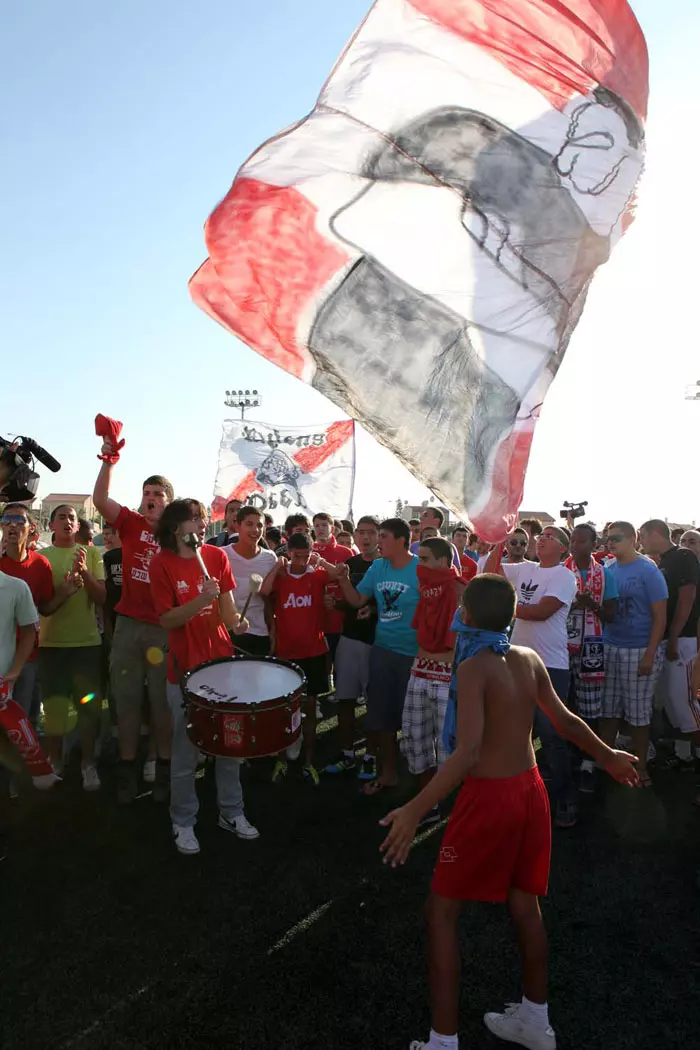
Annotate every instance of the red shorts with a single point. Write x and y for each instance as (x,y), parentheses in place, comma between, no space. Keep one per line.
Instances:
(498,837)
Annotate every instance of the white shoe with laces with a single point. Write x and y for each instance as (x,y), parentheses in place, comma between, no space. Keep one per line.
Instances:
(91,780)
(240,826)
(513,1026)
(185,840)
(149,771)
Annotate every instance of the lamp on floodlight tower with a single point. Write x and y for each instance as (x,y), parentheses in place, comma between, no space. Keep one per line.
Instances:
(243,400)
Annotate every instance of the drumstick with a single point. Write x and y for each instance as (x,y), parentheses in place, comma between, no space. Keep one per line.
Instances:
(193,541)
(255,585)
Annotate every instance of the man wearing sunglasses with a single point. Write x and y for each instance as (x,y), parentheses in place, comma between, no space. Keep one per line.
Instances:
(634,645)
(545,591)
(18,530)
(516,547)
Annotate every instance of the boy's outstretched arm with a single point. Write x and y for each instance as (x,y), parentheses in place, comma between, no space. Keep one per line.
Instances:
(618,764)
(470,728)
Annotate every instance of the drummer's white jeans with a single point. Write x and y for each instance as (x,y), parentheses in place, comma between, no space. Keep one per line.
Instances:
(184,803)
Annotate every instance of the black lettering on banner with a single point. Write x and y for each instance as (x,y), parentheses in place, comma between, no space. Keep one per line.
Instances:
(274,439)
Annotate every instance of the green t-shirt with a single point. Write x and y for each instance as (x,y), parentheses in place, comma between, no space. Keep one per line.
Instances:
(74,624)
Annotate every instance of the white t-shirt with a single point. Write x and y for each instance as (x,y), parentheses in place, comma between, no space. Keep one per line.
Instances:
(532,583)
(17,609)
(262,563)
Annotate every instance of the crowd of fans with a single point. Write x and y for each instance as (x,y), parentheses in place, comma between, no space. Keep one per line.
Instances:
(366,610)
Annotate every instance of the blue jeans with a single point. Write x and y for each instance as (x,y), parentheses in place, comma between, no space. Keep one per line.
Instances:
(184,804)
(554,747)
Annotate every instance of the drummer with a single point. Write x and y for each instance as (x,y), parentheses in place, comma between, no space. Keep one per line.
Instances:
(196,612)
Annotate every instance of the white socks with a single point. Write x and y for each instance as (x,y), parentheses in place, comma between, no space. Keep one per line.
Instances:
(536,1013)
(442,1042)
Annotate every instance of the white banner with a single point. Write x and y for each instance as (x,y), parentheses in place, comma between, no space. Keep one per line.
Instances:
(283,470)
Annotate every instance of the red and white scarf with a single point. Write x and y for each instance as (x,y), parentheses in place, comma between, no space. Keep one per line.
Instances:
(583,623)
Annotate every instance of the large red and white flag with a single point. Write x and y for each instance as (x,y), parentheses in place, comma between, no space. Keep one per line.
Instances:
(419,248)
(283,470)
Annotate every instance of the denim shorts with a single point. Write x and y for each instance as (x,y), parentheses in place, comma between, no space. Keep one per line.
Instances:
(389,673)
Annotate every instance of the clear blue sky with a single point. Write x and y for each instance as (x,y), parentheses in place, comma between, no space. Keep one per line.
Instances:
(124,125)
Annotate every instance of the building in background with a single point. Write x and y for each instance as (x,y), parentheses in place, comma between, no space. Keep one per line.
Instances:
(82,501)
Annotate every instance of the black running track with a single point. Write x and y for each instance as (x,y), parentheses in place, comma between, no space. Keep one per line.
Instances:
(302,939)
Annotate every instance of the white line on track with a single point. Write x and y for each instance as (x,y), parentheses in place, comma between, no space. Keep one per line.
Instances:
(301,927)
(115,1008)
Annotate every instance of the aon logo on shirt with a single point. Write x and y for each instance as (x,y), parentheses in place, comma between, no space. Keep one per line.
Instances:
(300,601)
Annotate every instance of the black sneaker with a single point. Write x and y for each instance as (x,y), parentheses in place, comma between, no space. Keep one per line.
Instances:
(127,783)
(430,818)
(586,781)
(342,764)
(368,769)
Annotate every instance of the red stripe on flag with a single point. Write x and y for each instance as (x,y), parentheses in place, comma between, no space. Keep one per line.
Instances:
(337,435)
(267,262)
(508,482)
(560,47)
(307,459)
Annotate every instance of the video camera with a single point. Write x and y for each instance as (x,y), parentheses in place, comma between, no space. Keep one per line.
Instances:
(573,510)
(18,479)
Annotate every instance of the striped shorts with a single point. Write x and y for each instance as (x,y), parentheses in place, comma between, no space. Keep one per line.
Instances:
(588,693)
(627,694)
(424,714)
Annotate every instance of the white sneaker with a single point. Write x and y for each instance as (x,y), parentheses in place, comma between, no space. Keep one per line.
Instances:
(185,840)
(149,771)
(91,780)
(239,826)
(515,1029)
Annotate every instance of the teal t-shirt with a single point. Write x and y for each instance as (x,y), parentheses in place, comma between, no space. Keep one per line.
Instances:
(396,594)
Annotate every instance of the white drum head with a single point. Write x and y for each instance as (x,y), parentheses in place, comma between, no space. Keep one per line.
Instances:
(244,681)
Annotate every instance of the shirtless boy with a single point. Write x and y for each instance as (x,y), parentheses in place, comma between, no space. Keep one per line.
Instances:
(497,843)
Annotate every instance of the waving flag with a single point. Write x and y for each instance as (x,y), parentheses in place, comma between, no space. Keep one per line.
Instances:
(419,248)
(283,470)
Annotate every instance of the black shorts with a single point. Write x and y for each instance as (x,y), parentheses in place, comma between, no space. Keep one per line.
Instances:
(252,644)
(316,670)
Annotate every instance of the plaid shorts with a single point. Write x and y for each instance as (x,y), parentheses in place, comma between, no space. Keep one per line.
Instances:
(587,693)
(626,693)
(424,714)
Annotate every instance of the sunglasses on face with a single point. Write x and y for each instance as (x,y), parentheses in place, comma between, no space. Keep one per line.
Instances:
(615,539)
(13,519)
(517,543)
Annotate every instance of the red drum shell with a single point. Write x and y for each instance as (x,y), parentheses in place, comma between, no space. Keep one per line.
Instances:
(223,715)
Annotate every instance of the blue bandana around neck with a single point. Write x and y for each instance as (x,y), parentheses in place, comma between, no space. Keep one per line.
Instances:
(470,641)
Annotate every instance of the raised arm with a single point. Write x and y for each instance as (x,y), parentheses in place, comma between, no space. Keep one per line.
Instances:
(108,508)
(269,581)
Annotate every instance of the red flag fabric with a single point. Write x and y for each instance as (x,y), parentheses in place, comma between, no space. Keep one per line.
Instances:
(111,429)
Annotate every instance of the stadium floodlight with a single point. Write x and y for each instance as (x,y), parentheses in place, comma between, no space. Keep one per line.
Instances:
(243,400)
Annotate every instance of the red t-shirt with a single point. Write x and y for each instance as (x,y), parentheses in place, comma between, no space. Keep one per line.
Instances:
(36,572)
(176,581)
(469,567)
(334,553)
(300,614)
(138,548)
(436,608)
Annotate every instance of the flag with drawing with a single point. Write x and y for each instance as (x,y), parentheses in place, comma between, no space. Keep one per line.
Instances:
(283,470)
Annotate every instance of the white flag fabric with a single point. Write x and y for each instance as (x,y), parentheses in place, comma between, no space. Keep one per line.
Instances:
(419,248)
(286,470)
